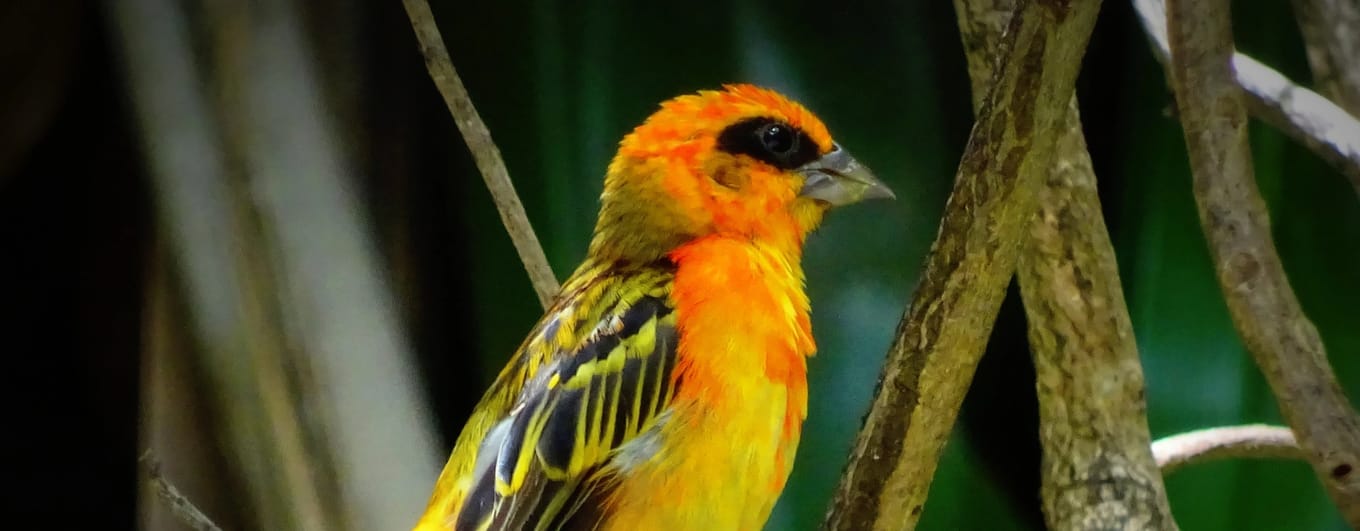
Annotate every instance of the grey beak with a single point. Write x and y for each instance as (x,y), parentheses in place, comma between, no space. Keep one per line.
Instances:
(838,179)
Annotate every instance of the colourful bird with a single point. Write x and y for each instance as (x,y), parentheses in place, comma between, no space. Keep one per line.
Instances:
(666,386)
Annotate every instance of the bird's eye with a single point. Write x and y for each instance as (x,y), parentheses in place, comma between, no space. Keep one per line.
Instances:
(769,140)
(779,140)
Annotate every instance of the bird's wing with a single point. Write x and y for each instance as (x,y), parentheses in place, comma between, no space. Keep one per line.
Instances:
(539,465)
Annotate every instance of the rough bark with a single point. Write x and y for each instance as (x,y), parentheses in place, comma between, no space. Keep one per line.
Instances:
(1264,309)
(1098,470)
(943,332)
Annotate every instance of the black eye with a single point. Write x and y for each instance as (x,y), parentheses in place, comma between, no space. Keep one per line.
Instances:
(779,140)
(771,141)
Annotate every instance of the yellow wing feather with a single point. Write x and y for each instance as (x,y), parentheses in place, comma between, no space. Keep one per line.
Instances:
(594,373)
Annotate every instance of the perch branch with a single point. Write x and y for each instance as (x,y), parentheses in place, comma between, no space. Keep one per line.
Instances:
(942,334)
(1330,35)
(1264,309)
(1256,441)
(1306,116)
(1098,471)
(180,506)
(484,150)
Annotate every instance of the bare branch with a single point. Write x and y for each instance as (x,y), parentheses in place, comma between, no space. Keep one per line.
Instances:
(1304,115)
(943,332)
(1310,119)
(179,505)
(1331,34)
(484,150)
(1265,311)
(1255,441)
(1098,470)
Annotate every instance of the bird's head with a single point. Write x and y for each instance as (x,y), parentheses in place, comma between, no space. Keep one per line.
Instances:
(744,162)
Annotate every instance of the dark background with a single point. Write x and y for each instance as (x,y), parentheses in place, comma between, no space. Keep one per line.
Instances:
(558,85)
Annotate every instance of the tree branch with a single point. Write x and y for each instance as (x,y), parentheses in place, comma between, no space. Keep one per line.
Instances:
(180,506)
(1255,441)
(1331,34)
(1264,309)
(1098,470)
(484,151)
(944,330)
(1310,119)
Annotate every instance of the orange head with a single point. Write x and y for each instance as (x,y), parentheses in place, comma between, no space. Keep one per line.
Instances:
(744,162)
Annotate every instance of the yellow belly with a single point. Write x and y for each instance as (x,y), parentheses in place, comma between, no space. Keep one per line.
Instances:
(718,468)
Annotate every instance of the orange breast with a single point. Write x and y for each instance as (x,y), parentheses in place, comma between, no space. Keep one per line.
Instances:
(721,457)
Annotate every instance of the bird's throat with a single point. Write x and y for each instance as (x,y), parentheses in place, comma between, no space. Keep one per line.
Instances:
(742,312)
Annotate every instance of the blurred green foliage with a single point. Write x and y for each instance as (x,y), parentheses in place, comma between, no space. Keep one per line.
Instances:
(559,85)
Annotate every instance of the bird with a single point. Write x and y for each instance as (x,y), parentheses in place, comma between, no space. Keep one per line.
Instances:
(665,387)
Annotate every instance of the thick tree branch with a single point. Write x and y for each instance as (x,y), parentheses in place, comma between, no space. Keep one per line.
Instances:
(180,506)
(1264,309)
(484,150)
(943,332)
(1254,441)
(1310,119)
(1098,471)
(1331,34)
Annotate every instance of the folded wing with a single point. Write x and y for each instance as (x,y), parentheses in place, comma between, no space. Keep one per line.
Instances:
(544,465)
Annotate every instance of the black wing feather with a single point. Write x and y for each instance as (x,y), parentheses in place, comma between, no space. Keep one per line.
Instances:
(550,470)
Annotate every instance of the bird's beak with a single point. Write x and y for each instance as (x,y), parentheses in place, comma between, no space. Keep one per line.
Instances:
(838,179)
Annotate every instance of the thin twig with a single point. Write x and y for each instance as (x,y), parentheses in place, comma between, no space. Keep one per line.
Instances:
(943,332)
(1254,441)
(1306,116)
(1331,35)
(1098,470)
(1264,308)
(484,150)
(182,508)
